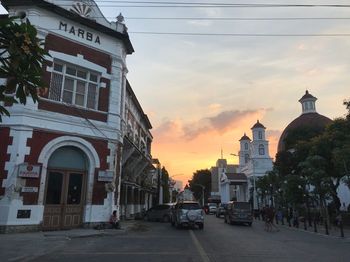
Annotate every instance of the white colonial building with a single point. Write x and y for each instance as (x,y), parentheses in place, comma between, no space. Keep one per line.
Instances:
(83,150)
(254,159)
(227,183)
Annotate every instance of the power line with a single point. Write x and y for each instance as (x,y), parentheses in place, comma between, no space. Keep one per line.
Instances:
(242,34)
(237,18)
(173,4)
(222,18)
(226,34)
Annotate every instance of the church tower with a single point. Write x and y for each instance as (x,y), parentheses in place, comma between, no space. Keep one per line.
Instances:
(259,145)
(244,152)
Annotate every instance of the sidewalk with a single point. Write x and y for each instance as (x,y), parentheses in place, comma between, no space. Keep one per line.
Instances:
(126,226)
(333,230)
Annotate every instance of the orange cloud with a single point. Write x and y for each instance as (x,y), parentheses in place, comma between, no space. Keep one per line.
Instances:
(220,123)
(273,137)
(184,147)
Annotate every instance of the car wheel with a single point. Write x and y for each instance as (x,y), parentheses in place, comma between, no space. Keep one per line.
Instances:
(250,224)
(146,218)
(201,226)
(166,219)
(172,223)
(225,219)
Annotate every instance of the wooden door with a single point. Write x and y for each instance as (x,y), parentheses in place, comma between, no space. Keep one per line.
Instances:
(72,211)
(64,200)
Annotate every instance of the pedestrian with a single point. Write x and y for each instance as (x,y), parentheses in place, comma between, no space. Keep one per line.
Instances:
(263,213)
(267,218)
(279,216)
(295,218)
(256,214)
(270,215)
(113,220)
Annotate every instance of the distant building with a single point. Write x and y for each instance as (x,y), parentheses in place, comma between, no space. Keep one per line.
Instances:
(226,183)
(254,159)
(178,185)
(185,195)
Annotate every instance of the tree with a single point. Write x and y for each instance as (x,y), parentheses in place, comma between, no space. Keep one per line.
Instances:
(201,178)
(347,104)
(21,59)
(165,184)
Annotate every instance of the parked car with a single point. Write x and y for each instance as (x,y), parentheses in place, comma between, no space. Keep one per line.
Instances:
(212,208)
(221,209)
(239,212)
(188,214)
(159,213)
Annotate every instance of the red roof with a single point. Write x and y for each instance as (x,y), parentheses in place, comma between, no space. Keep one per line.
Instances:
(309,119)
(245,137)
(307,96)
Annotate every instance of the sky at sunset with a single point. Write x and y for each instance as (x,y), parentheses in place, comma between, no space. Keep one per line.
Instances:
(202,92)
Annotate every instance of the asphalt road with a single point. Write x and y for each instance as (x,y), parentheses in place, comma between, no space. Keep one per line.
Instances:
(161,242)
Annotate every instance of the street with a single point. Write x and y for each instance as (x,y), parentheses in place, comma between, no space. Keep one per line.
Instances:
(160,242)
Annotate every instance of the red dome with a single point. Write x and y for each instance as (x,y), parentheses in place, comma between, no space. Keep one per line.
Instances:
(313,120)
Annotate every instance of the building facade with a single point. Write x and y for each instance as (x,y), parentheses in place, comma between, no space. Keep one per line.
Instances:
(61,159)
(139,178)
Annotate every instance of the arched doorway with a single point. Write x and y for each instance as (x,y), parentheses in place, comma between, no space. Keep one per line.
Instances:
(65,189)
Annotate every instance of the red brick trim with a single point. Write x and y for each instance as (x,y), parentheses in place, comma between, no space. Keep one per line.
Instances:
(6,140)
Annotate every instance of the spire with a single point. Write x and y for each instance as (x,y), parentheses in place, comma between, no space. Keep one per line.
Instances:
(258,125)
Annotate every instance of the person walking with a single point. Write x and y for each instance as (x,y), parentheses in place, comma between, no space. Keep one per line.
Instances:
(279,216)
(295,218)
(270,215)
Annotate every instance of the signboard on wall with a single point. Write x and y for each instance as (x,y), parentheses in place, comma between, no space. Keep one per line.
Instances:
(31,171)
(23,213)
(27,189)
(105,176)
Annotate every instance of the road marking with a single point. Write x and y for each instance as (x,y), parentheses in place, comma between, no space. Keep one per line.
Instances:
(19,258)
(199,247)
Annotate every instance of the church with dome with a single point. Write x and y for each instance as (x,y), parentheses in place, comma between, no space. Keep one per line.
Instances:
(309,120)
(309,124)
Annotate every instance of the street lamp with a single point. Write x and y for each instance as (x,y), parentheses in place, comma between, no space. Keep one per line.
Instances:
(271,195)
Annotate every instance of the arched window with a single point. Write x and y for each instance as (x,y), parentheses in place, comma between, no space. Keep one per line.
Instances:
(246,146)
(260,135)
(246,158)
(261,150)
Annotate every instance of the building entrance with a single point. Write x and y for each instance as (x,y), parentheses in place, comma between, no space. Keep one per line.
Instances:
(65,191)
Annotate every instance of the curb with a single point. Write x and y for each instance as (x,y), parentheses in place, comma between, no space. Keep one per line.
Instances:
(72,235)
(312,232)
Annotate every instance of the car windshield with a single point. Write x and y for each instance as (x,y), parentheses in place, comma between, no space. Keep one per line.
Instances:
(189,206)
(212,204)
(242,205)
